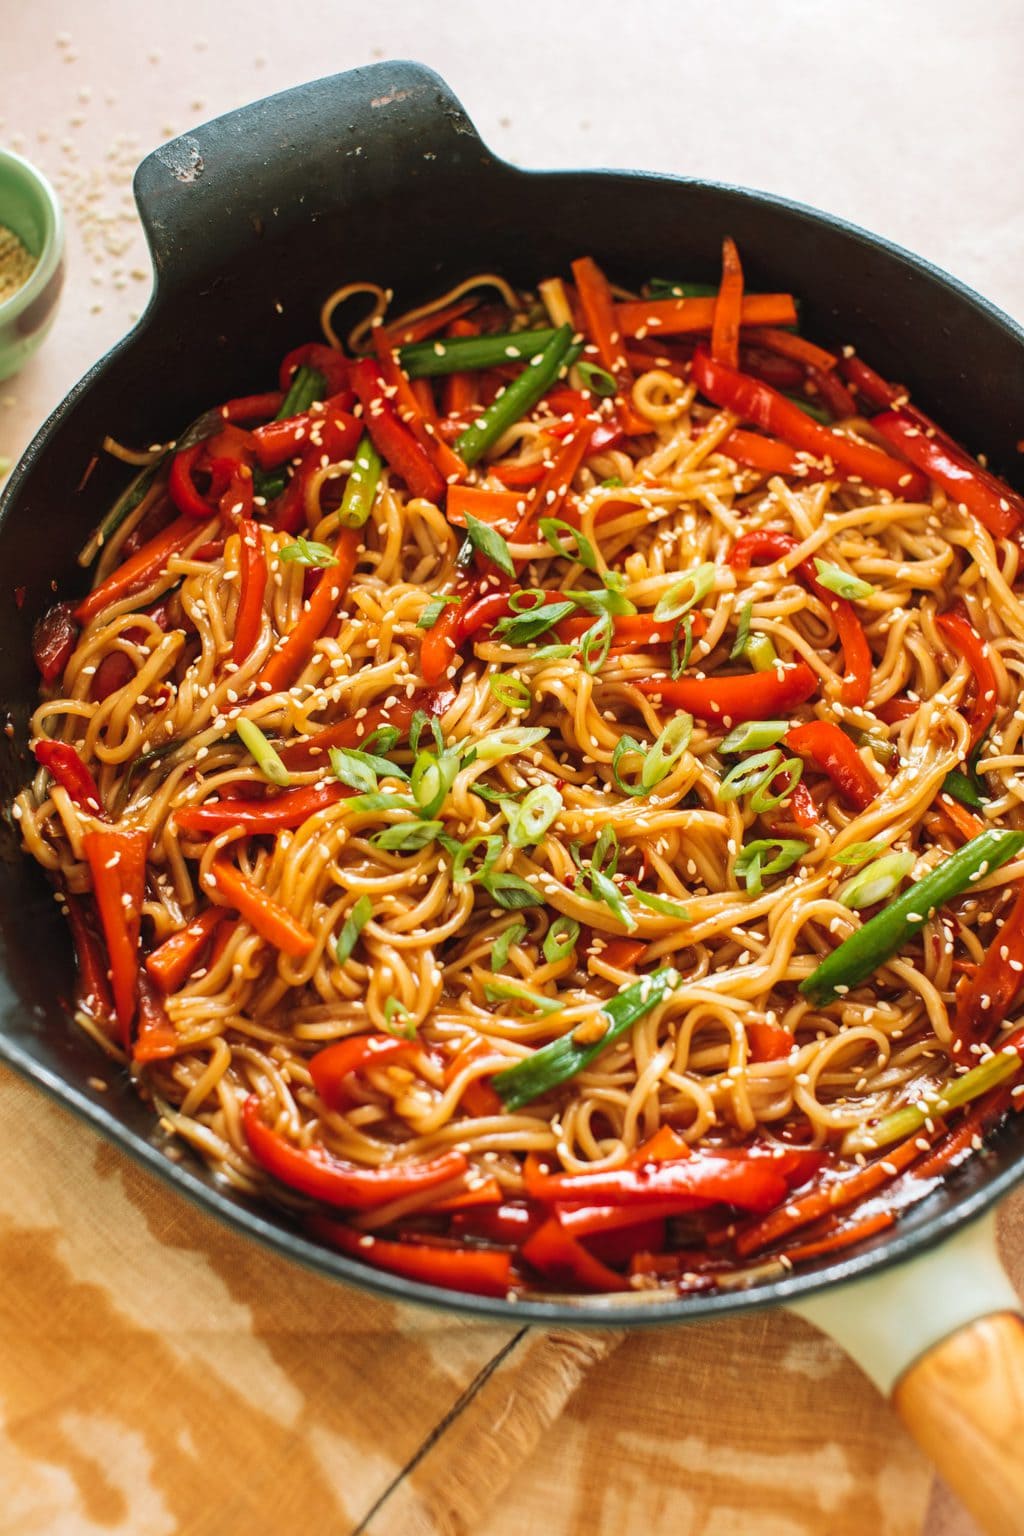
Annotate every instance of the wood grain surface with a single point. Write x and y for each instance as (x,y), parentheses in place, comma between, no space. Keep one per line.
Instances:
(158,1375)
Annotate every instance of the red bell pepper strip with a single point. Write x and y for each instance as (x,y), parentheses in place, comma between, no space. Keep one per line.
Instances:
(311,752)
(253,585)
(958,1143)
(796,348)
(766,408)
(478,1097)
(802,806)
(475,1271)
(266,916)
(278,441)
(253,407)
(334,365)
(181,486)
(258,817)
(415,405)
(392,438)
(692,317)
(895,710)
(509,1223)
(765,454)
(832,393)
(875,390)
(984,1000)
(751,1183)
(773,544)
(743,696)
(777,371)
(605,331)
(483,1192)
(581,1221)
(622,954)
(333,1068)
(54,638)
(235,501)
(629,629)
(117,863)
(964,481)
(290,506)
(665,1146)
(156,1038)
(498,509)
(92,986)
(516,476)
(172,963)
(440,644)
(767,1042)
(284,664)
(725,327)
(316,1172)
(330,429)
(140,569)
(63,763)
(830,749)
(961,634)
(560,1258)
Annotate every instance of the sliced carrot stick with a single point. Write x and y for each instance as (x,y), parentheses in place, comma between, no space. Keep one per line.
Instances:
(175,959)
(787,344)
(548,497)
(725,327)
(270,920)
(283,666)
(459,390)
(605,332)
(498,509)
(428,325)
(139,569)
(842,1237)
(654,318)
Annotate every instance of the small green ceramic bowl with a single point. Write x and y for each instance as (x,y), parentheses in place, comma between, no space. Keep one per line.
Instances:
(29,207)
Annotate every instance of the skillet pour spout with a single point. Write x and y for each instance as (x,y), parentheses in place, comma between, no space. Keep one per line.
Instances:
(252,219)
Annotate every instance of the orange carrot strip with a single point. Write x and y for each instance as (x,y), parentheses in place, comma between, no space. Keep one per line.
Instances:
(459,390)
(787,344)
(605,332)
(270,920)
(498,509)
(175,959)
(427,325)
(725,327)
(283,666)
(692,317)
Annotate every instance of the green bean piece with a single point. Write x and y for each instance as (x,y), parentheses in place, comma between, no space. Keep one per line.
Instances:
(468,354)
(308,384)
(517,398)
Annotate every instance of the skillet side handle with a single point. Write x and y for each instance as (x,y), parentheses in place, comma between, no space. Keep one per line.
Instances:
(352,142)
(963,1402)
(941,1336)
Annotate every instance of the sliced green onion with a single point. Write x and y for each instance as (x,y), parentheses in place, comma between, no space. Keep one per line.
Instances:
(604,890)
(518,600)
(663,905)
(417,724)
(407,836)
(841,582)
(528,822)
(749,775)
(361,486)
(353,769)
(554,653)
(433,775)
(761,653)
(259,748)
(469,354)
(876,881)
(627,746)
(751,865)
(384,740)
(753,734)
(612,483)
(606,850)
(765,798)
(582,552)
(953,1094)
(514,991)
(509,740)
(462,872)
(398,1020)
(595,644)
(598,380)
(434,609)
(678,663)
(504,942)
(510,691)
(357,919)
(609,599)
(520,628)
(561,938)
(667,750)
(742,632)
(488,542)
(307,384)
(307,552)
(882,935)
(510,891)
(686,593)
(517,398)
(562,1059)
(859,853)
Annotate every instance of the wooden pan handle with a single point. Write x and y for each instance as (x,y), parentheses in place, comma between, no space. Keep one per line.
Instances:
(963,1402)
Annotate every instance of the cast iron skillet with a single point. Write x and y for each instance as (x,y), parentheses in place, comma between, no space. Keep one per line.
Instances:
(252,220)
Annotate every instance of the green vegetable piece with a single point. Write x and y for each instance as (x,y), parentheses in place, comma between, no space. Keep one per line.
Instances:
(361,486)
(554,1064)
(358,917)
(517,398)
(859,956)
(469,354)
(307,552)
(259,748)
(307,385)
(504,942)
(903,1122)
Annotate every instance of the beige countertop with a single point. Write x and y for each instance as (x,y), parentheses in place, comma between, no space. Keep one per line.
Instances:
(161,1376)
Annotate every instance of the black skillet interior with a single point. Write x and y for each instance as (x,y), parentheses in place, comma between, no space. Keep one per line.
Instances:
(252,220)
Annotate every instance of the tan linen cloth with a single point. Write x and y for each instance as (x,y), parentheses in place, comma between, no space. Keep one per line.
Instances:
(158,1374)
